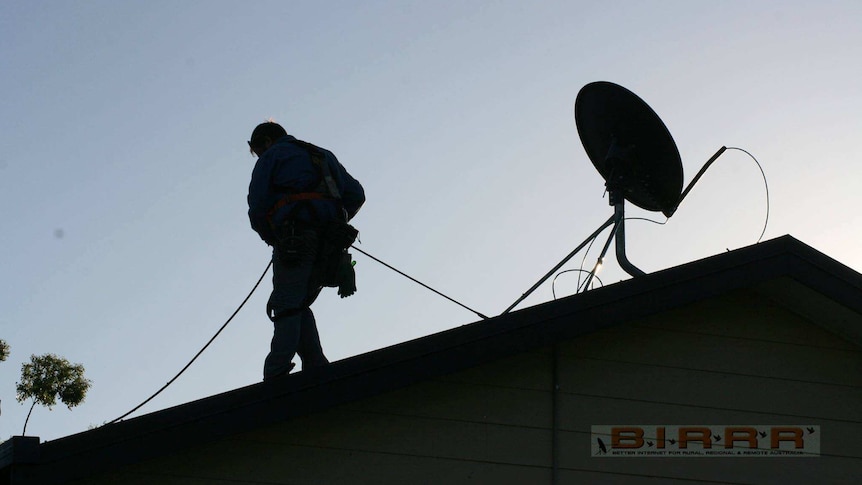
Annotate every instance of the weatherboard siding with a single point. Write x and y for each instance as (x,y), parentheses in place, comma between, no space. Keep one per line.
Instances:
(490,424)
(734,360)
(737,360)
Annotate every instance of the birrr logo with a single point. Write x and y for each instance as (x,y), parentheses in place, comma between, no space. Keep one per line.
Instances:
(620,441)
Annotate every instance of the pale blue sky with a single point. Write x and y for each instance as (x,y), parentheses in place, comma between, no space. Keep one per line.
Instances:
(123,129)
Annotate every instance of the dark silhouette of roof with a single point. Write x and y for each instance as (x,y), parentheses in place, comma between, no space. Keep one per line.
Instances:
(790,272)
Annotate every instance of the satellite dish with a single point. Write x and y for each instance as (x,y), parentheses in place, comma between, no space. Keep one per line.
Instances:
(629,146)
(635,154)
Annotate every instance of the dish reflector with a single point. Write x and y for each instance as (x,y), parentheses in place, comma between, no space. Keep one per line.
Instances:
(630,146)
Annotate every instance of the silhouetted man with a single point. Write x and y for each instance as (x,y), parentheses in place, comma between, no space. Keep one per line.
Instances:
(299,201)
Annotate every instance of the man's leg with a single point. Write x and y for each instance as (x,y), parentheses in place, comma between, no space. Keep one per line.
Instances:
(309,348)
(285,339)
(288,305)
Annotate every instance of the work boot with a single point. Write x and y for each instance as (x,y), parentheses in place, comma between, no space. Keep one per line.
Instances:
(281,374)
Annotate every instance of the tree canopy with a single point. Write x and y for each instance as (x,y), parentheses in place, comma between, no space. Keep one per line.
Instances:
(48,377)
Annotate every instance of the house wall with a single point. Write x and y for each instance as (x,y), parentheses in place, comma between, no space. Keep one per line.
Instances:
(733,360)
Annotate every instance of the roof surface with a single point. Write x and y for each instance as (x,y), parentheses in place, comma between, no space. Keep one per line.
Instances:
(784,269)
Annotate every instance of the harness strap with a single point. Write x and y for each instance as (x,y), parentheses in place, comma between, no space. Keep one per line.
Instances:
(325,188)
(327,182)
(331,186)
(288,198)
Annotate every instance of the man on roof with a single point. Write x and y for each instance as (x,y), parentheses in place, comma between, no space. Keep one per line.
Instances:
(299,201)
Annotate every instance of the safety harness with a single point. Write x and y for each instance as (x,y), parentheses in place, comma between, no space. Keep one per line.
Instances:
(335,267)
(325,188)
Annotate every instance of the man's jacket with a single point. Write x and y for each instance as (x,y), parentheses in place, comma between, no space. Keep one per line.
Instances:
(287,168)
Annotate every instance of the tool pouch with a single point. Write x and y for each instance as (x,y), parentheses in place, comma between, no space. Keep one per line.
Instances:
(294,243)
(340,234)
(337,237)
(345,275)
(335,270)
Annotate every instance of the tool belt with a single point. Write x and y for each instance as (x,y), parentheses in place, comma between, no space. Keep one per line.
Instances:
(326,245)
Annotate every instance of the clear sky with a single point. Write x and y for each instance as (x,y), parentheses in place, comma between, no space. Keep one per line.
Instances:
(124,165)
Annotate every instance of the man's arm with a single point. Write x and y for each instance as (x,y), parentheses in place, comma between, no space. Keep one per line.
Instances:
(352,193)
(261,199)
